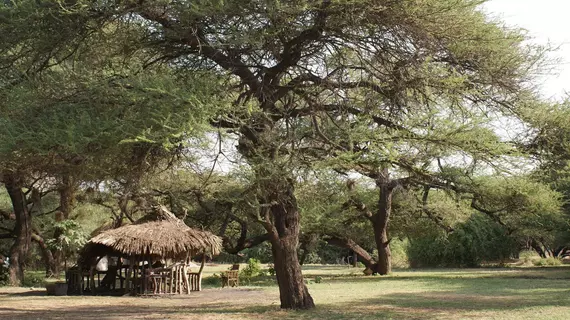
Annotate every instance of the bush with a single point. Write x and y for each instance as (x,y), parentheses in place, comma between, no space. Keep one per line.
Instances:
(4,276)
(34,279)
(545,262)
(528,257)
(271,270)
(399,249)
(312,258)
(214,281)
(477,240)
(252,269)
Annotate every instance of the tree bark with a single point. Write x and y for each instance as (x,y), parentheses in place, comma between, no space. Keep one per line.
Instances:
(284,236)
(66,200)
(22,229)
(380,224)
(47,255)
(536,246)
(364,256)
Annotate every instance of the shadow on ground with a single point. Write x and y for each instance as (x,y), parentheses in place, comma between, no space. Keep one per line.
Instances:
(444,296)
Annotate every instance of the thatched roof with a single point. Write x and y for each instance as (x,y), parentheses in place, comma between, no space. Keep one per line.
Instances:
(167,238)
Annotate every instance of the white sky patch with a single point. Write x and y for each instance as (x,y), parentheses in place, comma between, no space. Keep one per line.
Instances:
(548,22)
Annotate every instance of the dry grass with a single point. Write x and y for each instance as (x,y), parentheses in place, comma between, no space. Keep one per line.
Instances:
(168,237)
(343,294)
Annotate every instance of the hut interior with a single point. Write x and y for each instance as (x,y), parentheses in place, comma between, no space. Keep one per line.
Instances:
(143,258)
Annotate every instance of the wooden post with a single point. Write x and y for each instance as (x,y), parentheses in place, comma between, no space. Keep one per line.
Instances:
(186,279)
(120,269)
(199,286)
(143,277)
(92,280)
(129,274)
(179,279)
(171,281)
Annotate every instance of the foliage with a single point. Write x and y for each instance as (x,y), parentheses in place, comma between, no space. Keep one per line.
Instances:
(71,239)
(260,253)
(399,252)
(252,269)
(212,281)
(550,261)
(477,240)
(34,280)
(4,277)
(271,270)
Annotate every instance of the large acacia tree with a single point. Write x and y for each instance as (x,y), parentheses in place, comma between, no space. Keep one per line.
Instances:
(291,64)
(82,114)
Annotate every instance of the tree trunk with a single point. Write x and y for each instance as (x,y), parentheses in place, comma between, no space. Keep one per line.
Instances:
(284,235)
(380,225)
(364,256)
(49,260)
(22,229)
(66,199)
(354,259)
(536,246)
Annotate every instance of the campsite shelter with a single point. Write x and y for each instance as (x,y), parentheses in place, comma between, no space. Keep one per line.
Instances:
(144,258)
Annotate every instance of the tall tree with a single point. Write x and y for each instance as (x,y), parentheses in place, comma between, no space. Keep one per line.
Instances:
(291,64)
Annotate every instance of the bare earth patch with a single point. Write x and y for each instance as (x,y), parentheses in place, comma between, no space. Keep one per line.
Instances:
(26,304)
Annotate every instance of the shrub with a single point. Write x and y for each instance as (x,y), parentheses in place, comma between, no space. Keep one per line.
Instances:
(271,270)
(214,281)
(528,257)
(398,249)
(318,279)
(4,276)
(34,279)
(544,262)
(477,240)
(252,269)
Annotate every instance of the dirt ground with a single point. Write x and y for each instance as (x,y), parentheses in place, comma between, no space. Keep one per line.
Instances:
(228,303)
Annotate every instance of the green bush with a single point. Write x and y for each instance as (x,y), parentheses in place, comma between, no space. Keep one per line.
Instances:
(546,262)
(271,270)
(4,276)
(252,269)
(312,258)
(399,249)
(34,279)
(528,257)
(213,281)
(477,240)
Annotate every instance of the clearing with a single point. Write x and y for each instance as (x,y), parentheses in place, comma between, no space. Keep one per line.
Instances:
(504,293)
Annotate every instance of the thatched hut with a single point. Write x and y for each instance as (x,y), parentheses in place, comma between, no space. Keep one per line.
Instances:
(146,257)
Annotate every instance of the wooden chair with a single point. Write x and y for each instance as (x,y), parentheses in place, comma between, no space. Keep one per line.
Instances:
(230,278)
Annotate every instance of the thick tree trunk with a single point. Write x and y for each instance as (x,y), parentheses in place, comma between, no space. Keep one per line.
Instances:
(22,229)
(284,236)
(380,225)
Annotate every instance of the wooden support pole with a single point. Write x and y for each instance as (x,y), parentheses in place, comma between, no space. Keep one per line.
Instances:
(199,280)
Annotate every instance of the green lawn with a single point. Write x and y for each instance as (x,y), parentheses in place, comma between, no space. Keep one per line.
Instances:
(518,293)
